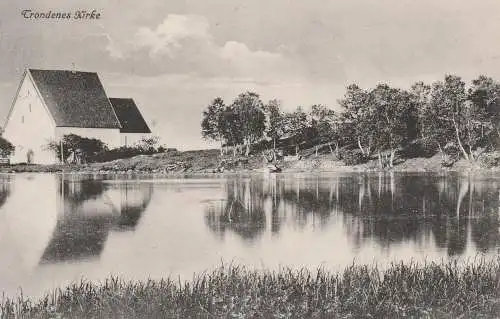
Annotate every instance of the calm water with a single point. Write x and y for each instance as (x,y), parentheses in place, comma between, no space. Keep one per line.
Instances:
(57,229)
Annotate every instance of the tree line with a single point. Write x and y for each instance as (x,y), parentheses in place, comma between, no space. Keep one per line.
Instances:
(443,116)
(76,149)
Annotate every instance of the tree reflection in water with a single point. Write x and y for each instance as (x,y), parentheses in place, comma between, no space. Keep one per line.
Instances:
(254,205)
(241,212)
(451,211)
(448,211)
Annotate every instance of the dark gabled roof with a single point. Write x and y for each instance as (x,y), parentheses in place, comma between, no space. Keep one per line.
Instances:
(75,98)
(129,116)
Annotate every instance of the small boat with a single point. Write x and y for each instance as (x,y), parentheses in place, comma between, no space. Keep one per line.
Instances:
(271,168)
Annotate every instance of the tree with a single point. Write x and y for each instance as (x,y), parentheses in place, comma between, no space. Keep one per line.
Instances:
(231,128)
(391,108)
(75,144)
(420,95)
(212,123)
(435,127)
(274,121)
(325,124)
(320,116)
(357,113)
(296,125)
(6,147)
(248,109)
(448,101)
(484,96)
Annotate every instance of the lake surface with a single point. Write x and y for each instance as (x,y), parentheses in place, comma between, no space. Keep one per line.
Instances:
(55,229)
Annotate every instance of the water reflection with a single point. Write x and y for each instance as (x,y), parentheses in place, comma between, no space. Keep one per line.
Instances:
(57,229)
(89,209)
(449,212)
(5,188)
(242,212)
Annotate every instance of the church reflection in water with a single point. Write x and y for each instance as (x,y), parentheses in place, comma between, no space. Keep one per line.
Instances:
(448,212)
(88,210)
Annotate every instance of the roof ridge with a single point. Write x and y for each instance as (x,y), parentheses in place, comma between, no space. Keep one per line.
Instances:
(61,70)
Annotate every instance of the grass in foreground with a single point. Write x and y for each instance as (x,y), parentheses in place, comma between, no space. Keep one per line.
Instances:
(447,290)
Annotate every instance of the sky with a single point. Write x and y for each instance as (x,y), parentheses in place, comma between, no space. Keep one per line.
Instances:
(173,57)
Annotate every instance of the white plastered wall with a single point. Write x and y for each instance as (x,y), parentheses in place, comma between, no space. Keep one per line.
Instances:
(30,126)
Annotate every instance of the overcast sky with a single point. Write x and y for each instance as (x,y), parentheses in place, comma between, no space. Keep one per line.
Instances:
(174,56)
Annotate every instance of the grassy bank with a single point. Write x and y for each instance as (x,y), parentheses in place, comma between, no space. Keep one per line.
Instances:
(198,161)
(208,161)
(447,290)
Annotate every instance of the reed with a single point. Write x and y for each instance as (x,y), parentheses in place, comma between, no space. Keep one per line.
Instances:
(402,290)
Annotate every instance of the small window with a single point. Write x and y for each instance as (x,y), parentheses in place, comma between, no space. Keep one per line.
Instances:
(22,119)
(30,108)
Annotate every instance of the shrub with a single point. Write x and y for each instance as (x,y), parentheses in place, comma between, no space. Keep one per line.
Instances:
(452,152)
(419,148)
(162,149)
(490,160)
(82,147)
(148,144)
(451,155)
(351,157)
(6,147)
(128,151)
(94,150)
(121,152)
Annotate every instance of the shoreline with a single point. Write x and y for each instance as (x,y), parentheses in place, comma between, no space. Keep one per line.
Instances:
(207,163)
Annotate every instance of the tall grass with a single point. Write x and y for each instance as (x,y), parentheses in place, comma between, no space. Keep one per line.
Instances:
(403,290)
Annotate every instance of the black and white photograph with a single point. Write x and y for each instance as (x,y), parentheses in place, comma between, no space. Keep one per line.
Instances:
(249,159)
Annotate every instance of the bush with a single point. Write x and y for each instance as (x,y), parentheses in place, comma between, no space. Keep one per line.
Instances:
(162,149)
(128,151)
(352,157)
(94,150)
(419,148)
(148,144)
(121,152)
(451,155)
(6,147)
(452,152)
(490,160)
(81,147)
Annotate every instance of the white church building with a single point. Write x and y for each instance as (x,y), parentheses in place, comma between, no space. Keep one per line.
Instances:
(52,103)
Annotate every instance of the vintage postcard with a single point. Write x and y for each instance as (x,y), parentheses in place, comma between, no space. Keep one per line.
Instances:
(249,159)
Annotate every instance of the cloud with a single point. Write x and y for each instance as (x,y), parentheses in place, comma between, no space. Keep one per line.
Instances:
(184,44)
(168,36)
(113,48)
